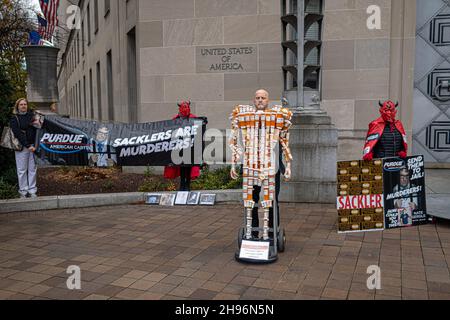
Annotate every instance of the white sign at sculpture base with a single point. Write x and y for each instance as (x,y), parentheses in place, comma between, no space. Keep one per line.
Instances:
(255,250)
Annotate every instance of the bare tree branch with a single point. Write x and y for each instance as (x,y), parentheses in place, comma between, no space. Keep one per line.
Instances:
(15,23)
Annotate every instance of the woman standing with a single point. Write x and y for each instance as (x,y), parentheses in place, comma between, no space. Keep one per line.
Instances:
(25,132)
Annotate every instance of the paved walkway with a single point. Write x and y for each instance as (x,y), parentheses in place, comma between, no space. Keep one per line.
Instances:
(144,252)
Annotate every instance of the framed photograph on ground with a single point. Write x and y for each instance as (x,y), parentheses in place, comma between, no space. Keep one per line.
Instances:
(182,197)
(153,199)
(167,199)
(193,198)
(207,199)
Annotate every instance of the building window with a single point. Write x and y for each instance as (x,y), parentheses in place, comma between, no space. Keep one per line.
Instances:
(75,99)
(302,44)
(72,95)
(78,48)
(84,98)
(96,16)
(91,94)
(82,38)
(71,61)
(99,92)
(132,76)
(68,63)
(107,7)
(313,44)
(80,108)
(88,17)
(109,75)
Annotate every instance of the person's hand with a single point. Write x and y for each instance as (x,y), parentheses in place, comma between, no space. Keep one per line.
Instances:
(94,158)
(32,149)
(110,162)
(233,173)
(368,157)
(287,172)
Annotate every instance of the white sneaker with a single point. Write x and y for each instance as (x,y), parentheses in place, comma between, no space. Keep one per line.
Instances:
(23,196)
(33,195)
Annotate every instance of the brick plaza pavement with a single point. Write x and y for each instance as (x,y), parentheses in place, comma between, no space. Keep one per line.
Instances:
(144,252)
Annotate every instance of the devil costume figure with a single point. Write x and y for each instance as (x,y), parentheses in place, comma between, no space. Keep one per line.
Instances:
(185,172)
(260,131)
(386,136)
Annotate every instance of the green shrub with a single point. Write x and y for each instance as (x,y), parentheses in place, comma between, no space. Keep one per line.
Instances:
(218,179)
(7,190)
(108,185)
(152,185)
(9,175)
(149,172)
(7,95)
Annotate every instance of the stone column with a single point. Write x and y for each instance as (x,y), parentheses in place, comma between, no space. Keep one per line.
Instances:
(42,83)
(313,141)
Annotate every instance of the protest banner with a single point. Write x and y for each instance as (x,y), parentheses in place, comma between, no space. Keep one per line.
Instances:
(63,141)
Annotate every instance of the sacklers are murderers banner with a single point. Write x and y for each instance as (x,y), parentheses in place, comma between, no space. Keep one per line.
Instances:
(379,194)
(64,141)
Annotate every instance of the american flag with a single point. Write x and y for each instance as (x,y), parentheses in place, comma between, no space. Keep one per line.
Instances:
(35,38)
(42,25)
(50,10)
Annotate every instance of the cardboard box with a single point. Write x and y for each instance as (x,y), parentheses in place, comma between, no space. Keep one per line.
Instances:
(345,227)
(344,213)
(357,219)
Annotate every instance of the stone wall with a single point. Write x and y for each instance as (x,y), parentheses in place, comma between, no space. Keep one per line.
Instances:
(217,53)
(213,52)
(362,66)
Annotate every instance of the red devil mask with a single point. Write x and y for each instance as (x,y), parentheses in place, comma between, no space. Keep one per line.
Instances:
(388,110)
(184,109)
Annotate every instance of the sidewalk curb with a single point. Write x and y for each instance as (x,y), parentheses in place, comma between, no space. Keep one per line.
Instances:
(97,200)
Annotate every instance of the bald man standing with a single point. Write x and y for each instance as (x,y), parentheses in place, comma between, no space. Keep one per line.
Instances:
(261,128)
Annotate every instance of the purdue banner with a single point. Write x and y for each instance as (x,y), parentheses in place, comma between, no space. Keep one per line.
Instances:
(64,141)
(381,194)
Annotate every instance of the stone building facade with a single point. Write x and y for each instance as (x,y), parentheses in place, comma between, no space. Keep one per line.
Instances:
(141,57)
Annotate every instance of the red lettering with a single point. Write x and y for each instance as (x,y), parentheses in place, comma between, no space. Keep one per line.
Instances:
(340,203)
(347,203)
(361,202)
(354,203)
(372,201)
(378,201)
